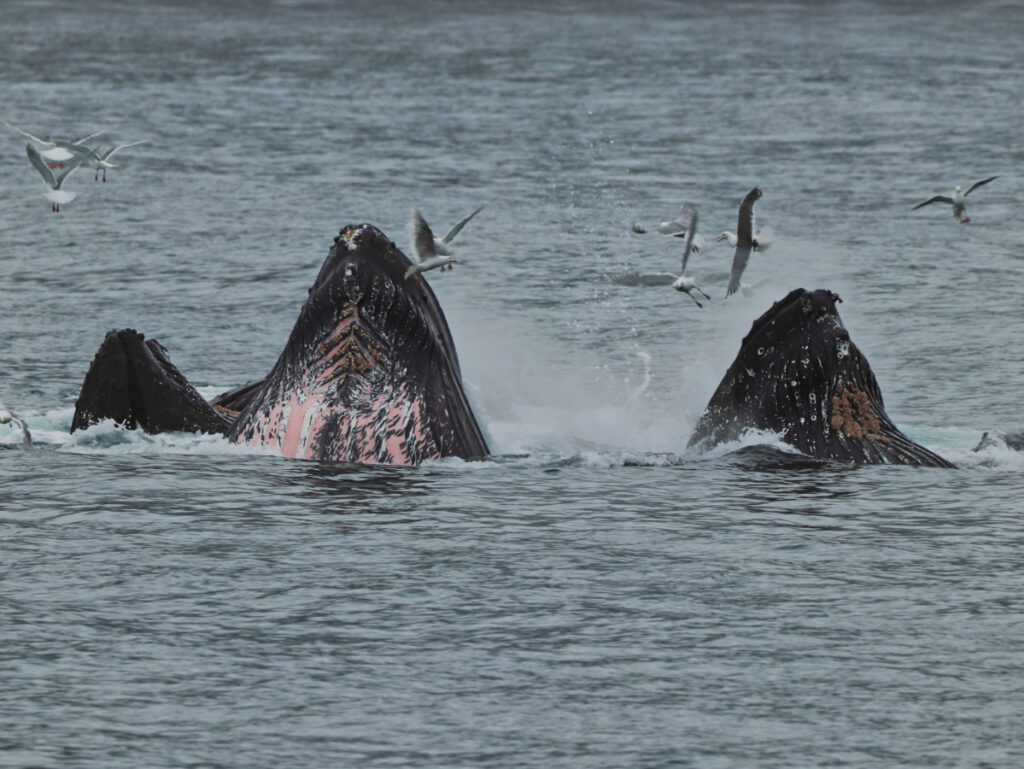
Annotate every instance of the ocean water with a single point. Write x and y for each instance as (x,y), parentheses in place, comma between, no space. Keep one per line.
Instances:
(595,595)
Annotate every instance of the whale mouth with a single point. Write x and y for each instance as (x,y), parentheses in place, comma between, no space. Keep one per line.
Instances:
(369,373)
(800,375)
(133,382)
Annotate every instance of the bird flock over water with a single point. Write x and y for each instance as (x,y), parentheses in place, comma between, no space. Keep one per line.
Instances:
(57,159)
(747,239)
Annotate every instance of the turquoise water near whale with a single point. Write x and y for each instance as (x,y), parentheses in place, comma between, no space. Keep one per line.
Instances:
(595,595)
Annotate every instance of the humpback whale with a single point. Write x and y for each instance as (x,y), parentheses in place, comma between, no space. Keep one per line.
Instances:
(369,373)
(799,374)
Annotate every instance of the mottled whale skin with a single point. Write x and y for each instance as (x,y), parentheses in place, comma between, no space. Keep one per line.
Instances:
(798,374)
(133,382)
(369,373)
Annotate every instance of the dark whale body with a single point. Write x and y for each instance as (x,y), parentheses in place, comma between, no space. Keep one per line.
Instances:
(133,382)
(798,374)
(369,373)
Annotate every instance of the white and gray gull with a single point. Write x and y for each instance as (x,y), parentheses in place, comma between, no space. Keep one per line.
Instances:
(683,283)
(100,161)
(956,200)
(676,228)
(763,238)
(744,239)
(55,151)
(54,182)
(7,417)
(430,251)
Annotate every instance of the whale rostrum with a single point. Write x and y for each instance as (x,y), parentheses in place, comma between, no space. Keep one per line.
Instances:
(798,374)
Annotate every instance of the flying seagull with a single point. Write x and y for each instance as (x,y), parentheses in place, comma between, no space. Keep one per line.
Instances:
(744,239)
(683,283)
(6,417)
(55,194)
(100,161)
(56,151)
(430,251)
(957,200)
(763,238)
(675,228)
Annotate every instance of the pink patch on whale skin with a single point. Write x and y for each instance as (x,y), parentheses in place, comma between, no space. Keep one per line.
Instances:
(373,420)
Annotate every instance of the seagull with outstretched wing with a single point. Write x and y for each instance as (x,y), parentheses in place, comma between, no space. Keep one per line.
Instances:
(675,228)
(54,182)
(683,283)
(100,161)
(55,151)
(432,252)
(744,239)
(956,200)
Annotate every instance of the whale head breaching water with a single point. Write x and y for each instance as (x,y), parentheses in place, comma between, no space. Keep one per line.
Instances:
(369,373)
(798,374)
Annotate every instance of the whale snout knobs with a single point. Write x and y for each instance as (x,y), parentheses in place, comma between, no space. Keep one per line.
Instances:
(7,417)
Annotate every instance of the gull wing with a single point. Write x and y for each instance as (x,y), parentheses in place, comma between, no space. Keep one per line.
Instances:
(691,230)
(110,153)
(67,172)
(936,199)
(458,227)
(36,139)
(745,224)
(422,237)
(978,184)
(86,138)
(739,264)
(41,167)
(675,228)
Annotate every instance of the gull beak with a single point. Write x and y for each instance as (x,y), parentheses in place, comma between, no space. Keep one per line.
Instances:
(719,238)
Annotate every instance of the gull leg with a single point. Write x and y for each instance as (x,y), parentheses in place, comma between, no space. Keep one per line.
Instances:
(695,300)
(104,175)
(706,296)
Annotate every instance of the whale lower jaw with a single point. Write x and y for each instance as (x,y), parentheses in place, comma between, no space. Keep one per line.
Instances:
(800,376)
(133,383)
(349,404)
(369,373)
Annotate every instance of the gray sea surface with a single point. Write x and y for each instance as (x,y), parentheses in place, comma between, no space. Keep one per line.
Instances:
(595,595)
